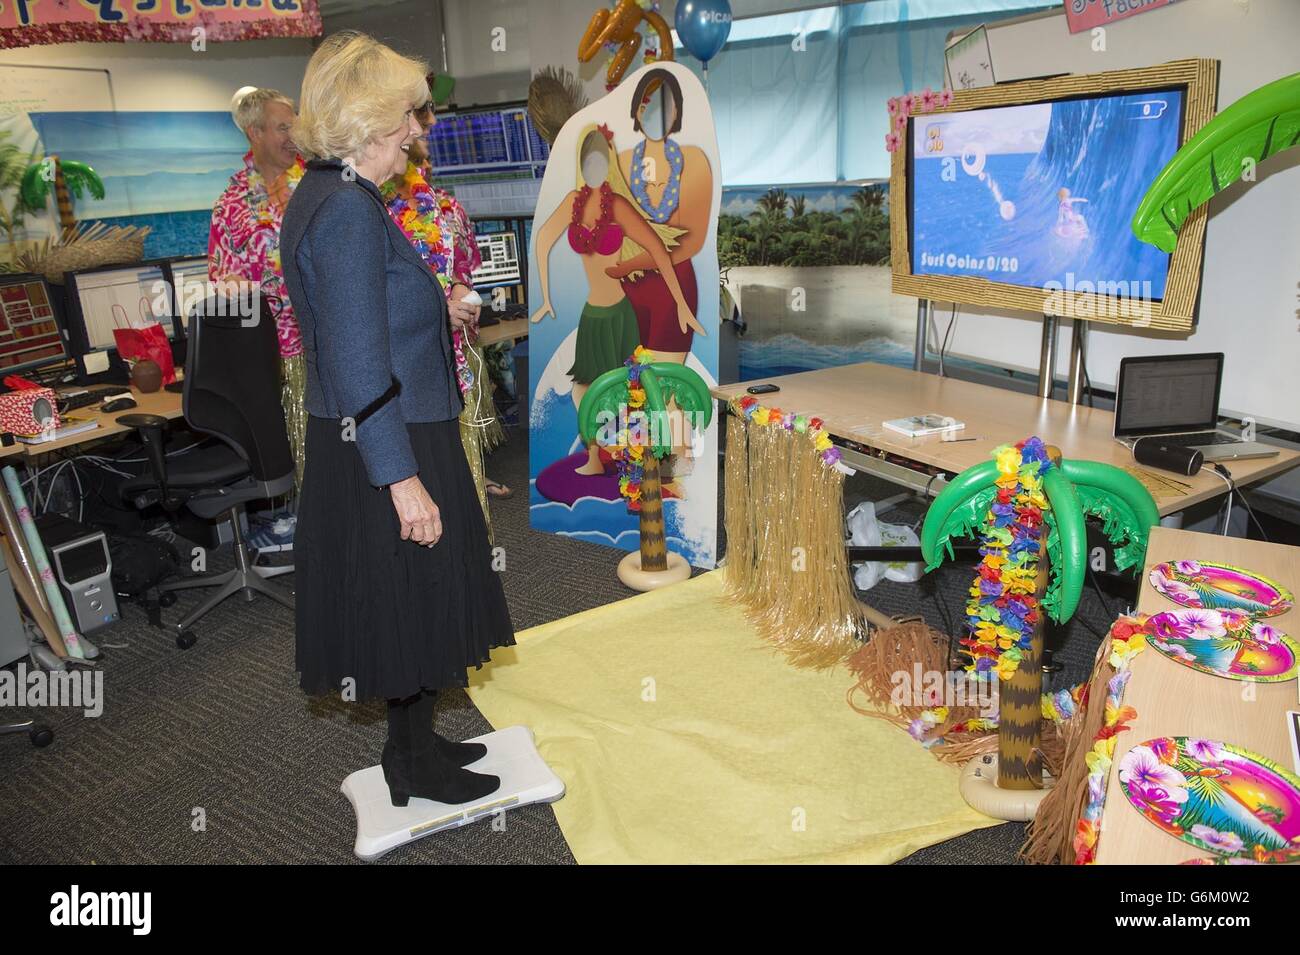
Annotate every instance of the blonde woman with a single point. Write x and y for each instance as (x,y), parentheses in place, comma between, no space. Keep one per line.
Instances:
(603,227)
(396,594)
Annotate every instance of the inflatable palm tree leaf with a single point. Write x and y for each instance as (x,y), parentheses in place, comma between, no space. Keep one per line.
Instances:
(37,181)
(1260,124)
(82,178)
(604,401)
(1074,489)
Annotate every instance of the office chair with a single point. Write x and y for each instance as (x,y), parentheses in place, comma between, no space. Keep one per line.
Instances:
(231,392)
(40,734)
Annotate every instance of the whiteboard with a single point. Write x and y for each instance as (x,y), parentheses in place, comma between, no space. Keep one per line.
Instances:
(1250,288)
(45,89)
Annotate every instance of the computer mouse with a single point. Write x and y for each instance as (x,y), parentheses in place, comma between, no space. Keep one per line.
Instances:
(117,404)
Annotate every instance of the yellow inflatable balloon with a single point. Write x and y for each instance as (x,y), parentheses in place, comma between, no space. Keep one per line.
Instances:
(621,26)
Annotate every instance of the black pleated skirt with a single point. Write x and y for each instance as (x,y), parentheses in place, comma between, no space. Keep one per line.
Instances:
(389,615)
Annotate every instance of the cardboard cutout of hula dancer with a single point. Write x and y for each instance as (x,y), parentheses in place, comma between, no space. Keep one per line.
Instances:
(603,227)
(625,255)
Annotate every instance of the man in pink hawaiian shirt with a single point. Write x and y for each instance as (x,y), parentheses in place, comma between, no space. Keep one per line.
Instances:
(244,241)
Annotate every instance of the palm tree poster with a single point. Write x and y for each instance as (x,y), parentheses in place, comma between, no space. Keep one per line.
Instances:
(24,91)
(161,169)
(625,255)
(808,266)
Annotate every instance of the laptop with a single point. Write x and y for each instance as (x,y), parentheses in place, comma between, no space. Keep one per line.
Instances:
(1176,398)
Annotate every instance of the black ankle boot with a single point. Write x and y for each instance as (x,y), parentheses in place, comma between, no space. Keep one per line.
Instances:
(462,754)
(414,767)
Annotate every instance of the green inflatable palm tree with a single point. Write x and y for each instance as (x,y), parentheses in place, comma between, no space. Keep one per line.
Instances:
(606,401)
(1260,124)
(1071,491)
(68,177)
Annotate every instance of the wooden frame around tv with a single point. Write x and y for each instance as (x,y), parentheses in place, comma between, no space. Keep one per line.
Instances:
(1177,311)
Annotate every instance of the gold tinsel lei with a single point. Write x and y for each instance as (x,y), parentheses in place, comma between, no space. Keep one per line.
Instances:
(293,388)
(480,429)
(786,562)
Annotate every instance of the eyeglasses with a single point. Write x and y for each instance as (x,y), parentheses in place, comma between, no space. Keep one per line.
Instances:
(425,107)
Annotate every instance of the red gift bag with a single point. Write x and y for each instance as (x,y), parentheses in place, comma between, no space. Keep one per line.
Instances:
(147,341)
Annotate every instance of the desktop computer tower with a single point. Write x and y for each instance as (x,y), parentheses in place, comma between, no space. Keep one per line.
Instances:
(79,558)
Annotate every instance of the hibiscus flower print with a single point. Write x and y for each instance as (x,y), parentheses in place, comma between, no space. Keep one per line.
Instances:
(1188,567)
(1168,627)
(1234,619)
(1268,635)
(1163,804)
(1142,767)
(1226,842)
(1203,624)
(1204,750)
(1166,750)
(1179,592)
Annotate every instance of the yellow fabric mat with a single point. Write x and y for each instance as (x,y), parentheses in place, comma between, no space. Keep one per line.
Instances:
(682,738)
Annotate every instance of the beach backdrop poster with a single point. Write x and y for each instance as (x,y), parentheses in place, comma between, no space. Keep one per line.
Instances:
(574,490)
(162,169)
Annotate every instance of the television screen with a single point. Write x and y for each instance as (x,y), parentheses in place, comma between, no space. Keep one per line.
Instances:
(1041,195)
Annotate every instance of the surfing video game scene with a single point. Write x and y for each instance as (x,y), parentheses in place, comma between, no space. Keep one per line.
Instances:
(1041,195)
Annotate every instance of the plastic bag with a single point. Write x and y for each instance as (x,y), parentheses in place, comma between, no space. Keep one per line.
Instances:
(866,531)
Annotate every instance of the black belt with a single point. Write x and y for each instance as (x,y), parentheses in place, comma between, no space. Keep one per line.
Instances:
(393,391)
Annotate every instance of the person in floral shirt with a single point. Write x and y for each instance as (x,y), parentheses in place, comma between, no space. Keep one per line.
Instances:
(244,241)
(442,233)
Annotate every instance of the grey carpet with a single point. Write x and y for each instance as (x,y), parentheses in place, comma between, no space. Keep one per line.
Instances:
(222,728)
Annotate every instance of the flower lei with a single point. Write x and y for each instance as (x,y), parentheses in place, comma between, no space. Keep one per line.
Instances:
(1003,609)
(629,447)
(747,407)
(417,211)
(1057,707)
(583,239)
(1128,637)
(662,211)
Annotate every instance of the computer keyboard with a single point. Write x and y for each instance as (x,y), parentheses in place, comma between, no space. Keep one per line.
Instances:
(1201,438)
(72,400)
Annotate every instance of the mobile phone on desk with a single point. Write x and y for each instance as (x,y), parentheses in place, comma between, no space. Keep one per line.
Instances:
(763,389)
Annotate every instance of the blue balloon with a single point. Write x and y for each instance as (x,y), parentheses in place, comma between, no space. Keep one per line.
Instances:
(703,26)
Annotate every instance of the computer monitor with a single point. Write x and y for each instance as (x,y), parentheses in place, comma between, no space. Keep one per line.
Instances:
(29,331)
(1020,196)
(1168,394)
(119,296)
(190,279)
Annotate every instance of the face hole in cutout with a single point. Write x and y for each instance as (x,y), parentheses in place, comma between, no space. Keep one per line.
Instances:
(593,157)
(657,114)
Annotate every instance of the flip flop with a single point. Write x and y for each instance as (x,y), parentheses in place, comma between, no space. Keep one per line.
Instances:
(498,491)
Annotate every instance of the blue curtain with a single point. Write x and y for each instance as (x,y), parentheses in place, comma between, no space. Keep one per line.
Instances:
(787,115)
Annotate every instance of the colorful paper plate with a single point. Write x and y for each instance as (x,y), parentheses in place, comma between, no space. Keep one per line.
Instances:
(1215,796)
(1210,586)
(1226,643)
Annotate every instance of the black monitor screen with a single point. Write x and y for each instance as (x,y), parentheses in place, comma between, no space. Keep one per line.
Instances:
(29,333)
(1166,395)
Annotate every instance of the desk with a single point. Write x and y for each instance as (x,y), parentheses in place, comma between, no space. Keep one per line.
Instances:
(1173,700)
(163,403)
(510,330)
(853,400)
